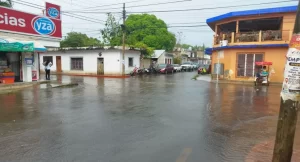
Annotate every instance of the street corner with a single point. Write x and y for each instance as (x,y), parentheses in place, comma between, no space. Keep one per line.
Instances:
(263,152)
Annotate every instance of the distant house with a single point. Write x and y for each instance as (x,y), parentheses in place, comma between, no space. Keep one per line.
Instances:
(91,61)
(162,57)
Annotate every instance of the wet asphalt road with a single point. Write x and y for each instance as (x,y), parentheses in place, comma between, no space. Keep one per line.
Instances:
(142,119)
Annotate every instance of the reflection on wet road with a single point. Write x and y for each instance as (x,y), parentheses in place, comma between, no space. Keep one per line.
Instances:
(142,119)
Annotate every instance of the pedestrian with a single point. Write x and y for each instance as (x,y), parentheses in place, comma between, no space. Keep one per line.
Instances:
(47,65)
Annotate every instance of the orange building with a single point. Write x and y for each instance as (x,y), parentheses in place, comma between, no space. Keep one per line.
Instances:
(245,37)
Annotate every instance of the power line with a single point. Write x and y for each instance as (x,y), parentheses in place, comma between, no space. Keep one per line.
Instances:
(152,4)
(191,26)
(107,5)
(211,8)
(73,15)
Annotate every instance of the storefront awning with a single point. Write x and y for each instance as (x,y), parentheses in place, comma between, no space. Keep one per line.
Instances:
(16,47)
(11,45)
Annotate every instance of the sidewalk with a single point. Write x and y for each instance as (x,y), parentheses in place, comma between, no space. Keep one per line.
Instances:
(264,151)
(19,85)
(56,83)
(206,78)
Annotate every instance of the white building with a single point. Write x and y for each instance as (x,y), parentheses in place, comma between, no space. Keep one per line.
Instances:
(162,57)
(91,61)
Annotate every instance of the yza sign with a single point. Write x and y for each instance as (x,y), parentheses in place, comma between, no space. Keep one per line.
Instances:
(52,11)
(43,25)
(14,21)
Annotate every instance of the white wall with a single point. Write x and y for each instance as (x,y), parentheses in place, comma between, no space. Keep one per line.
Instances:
(112,61)
(136,60)
(161,59)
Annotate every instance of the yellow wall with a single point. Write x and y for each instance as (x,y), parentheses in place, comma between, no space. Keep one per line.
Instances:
(275,55)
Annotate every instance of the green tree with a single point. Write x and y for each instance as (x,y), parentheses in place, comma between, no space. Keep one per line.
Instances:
(75,39)
(112,33)
(6,3)
(185,46)
(149,31)
(177,60)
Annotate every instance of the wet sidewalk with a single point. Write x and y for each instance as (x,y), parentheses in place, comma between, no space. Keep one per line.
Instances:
(55,82)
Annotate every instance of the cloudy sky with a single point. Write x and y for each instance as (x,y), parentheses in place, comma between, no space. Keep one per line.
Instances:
(196,34)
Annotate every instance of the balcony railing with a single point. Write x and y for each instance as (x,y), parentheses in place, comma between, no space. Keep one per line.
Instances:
(272,35)
(247,36)
(254,36)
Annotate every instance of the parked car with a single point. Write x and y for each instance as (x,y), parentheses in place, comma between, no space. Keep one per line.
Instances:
(195,66)
(177,67)
(187,66)
(165,68)
(206,67)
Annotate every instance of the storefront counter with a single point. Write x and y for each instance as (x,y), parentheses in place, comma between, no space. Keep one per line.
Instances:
(7,77)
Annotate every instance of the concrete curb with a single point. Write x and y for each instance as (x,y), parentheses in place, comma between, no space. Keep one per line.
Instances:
(66,85)
(16,86)
(96,76)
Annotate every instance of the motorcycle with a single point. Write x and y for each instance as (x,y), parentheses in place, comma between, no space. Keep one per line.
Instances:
(150,71)
(137,71)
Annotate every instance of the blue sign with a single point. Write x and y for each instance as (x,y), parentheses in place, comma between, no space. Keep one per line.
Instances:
(29,61)
(53,12)
(43,25)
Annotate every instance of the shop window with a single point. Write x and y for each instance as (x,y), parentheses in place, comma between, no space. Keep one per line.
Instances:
(130,62)
(46,58)
(246,64)
(76,63)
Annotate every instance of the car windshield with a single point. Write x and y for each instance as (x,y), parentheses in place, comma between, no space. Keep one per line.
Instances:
(175,65)
(186,63)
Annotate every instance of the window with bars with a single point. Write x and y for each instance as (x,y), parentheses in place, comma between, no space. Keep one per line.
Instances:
(246,64)
(76,63)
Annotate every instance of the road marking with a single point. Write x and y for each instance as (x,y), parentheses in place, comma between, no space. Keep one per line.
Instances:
(184,155)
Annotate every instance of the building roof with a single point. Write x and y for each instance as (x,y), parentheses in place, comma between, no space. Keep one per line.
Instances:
(211,21)
(158,53)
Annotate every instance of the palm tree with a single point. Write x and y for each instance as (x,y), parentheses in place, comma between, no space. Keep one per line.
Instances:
(7,3)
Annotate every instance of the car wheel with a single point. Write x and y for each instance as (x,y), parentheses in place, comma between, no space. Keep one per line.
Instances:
(166,72)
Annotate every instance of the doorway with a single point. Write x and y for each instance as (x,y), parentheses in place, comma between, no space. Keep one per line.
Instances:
(100,69)
(58,64)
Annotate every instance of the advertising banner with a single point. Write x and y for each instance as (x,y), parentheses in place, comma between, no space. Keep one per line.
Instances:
(16,47)
(52,11)
(291,83)
(15,21)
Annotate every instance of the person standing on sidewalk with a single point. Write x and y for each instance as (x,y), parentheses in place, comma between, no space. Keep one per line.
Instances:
(47,65)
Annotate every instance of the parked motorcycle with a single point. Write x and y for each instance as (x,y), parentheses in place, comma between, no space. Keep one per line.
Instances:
(150,71)
(137,71)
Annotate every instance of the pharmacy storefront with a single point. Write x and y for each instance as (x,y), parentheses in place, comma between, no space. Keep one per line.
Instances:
(23,37)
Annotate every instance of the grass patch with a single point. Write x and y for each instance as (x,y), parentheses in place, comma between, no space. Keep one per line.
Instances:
(195,77)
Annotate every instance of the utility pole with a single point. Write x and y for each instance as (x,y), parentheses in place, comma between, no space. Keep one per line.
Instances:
(290,97)
(124,32)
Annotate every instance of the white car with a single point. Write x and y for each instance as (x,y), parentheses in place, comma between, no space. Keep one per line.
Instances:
(187,66)
(177,67)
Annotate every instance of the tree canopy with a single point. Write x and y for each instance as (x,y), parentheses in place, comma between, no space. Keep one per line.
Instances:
(149,31)
(112,33)
(145,31)
(6,3)
(75,39)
